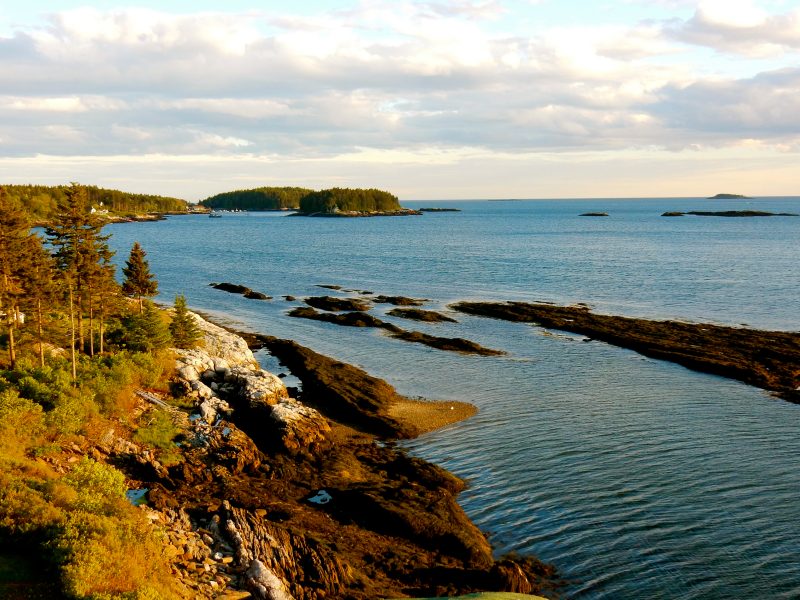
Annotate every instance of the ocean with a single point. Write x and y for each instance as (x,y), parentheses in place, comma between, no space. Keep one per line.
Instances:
(637,478)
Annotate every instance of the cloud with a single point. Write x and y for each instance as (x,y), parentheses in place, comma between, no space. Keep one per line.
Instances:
(391,77)
(740,27)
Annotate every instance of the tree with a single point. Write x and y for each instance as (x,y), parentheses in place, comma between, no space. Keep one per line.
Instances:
(145,332)
(185,332)
(39,287)
(14,241)
(82,255)
(139,281)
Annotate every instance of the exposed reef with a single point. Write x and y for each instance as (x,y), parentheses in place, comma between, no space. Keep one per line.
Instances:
(766,359)
(417,314)
(436,209)
(331,303)
(399,300)
(234,288)
(594,214)
(728,213)
(363,319)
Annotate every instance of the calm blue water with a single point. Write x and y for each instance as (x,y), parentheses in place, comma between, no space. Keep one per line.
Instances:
(637,478)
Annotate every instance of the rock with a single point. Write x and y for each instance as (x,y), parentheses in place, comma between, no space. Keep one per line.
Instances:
(264,583)
(336,304)
(417,314)
(258,387)
(232,288)
(399,300)
(299,425)
(256,295)
(594,214)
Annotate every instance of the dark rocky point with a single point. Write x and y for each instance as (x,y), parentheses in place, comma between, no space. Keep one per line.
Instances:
(416,314)
(766,359)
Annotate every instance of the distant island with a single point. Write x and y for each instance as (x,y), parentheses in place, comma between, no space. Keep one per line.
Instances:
(348,202)
(729,213)
(729,197)
(261,198)
(594,214)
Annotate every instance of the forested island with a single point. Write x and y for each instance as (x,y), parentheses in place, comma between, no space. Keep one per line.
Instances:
(334,202)
(40,202)
(261,198)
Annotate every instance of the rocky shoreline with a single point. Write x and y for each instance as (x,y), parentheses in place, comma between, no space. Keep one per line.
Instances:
(307,497)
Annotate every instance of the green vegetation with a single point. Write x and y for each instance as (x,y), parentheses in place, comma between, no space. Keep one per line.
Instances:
(40,202)
(349,200)
(183,328)
(262,198)
(307,201)
(139,281)
(72,351)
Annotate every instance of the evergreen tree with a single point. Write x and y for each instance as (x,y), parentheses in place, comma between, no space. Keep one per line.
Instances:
(185,332)
(145,332)
(82,255)
(41,290)
(139,281)
(14,241)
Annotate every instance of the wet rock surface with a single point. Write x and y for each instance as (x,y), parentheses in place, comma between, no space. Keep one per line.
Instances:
(363,319)
(331,303)
(234,288)
(399,300)
(416,314)
(766,359)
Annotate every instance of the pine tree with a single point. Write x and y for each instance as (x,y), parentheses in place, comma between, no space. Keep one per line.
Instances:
(14,236)
(185,332)
(145,332)
(139,281)
(81,252)
(40,288)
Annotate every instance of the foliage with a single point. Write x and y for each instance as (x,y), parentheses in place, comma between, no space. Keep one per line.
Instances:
(139,281)
(143,332)
(99,488)
(262,198)
(346,200)
(183,327)
(40,201)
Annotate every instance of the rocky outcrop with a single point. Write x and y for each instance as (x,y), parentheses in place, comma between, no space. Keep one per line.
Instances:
(417,314)
(362,319)
(336,304)
(399,300)
(281,564)
(223,375)
(234,288)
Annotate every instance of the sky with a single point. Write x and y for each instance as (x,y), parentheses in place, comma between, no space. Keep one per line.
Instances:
(433,99)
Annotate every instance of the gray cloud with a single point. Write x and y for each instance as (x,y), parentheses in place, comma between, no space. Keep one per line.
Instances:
(139,83)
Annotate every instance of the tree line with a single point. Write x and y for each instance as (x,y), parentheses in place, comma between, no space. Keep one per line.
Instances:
(262,198)
(349,200)
(62,291)
(40,202)
(305,200)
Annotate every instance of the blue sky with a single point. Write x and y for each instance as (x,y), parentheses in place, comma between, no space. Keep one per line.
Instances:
(426,98)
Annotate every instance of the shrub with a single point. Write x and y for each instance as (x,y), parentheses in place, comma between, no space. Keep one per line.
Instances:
(100,488)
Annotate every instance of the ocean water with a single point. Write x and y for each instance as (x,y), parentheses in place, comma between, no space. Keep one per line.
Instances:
(637,478)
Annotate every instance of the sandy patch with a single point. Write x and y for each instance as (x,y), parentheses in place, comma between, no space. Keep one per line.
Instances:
(428,415)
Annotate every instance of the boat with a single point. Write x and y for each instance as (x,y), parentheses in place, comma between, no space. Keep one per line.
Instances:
(214,215)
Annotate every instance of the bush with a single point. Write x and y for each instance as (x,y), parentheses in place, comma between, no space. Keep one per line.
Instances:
(100,488)
(113,557)
(19,418)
